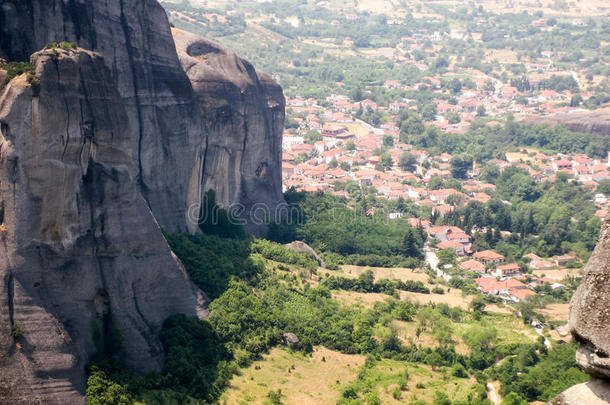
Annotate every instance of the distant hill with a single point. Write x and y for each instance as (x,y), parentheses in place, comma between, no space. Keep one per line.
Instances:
(595,122)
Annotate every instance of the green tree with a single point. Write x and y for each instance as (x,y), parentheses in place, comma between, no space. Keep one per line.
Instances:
(514,399)
(388,141)
(455,85)
(453,117)
(477,304)
(411,244)
(413,125)
(407,162)
(460,165)
(604,187)
(102,391)
(350,146)
(478,337)
(429,111)
(312,136)
(446,256)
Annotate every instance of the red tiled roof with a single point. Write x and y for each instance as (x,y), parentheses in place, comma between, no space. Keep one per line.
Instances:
(510,266)
(449,245)
(472,265)
(488,255)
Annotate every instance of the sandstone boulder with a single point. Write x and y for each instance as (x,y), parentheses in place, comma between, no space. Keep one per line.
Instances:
(594,392)
(590,325)
(590,310)
(303,247)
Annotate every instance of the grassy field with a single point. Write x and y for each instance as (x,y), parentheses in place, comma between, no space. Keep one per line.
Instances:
(556,312)
(303,380)
(558,274)
(422,382)
(452,297)
(321,378)
(398,273)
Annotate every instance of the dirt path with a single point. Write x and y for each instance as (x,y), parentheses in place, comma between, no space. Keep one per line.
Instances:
(492,393)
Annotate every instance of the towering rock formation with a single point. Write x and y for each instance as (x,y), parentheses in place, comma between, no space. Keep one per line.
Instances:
(244,114)
(79,248)
(103,146)
(135,40)
(590,325)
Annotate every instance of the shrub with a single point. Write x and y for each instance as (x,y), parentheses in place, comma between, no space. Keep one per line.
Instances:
(280,253)
(459,371)
(62,45)
(15,69)
(274,398)
(196,357)
(438,290)
(103,391)
(17,330)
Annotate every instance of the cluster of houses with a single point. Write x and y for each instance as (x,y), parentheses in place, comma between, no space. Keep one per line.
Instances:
(349,151)
(494,276)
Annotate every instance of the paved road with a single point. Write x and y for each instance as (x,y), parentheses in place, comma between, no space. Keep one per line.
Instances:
(432,260)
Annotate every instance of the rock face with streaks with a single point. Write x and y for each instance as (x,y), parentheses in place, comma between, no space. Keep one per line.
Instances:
(135,40)
(244,114)
(79,247)
(590,325)
(105,145)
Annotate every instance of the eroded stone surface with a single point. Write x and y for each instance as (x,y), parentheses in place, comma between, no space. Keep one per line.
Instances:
(590,324)
(78,244)
(594,392)
(135,40)
(590,310)
(244,114)
(595,122)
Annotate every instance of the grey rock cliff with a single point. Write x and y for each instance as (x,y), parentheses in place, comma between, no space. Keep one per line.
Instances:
(78,243)
(244,114)
(111,145)
(590,325)
(135,39)
(236,112)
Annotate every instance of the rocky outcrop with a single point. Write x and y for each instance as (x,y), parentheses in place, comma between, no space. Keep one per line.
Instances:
(135,40)
(226,137)
(244,114)
(302,247)
(98,151)
(79,247)
(594,122)
(594,392)
(590,325)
